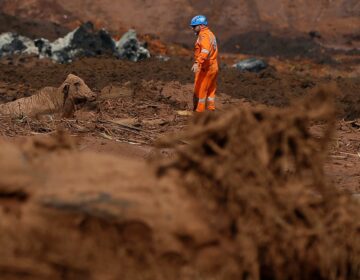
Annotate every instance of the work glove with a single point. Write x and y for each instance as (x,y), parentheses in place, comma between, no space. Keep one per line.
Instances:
(195,68)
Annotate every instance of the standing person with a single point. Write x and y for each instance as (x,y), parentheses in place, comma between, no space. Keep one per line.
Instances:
(206,66)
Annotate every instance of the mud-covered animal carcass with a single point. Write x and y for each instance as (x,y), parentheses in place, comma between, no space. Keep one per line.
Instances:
(64,100)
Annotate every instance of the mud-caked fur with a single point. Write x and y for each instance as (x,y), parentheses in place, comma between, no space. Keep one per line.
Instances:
(51,100)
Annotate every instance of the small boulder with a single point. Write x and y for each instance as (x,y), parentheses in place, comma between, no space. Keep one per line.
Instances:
(129,47)
(44,47)
(83,41)
(12,43)
(251,65)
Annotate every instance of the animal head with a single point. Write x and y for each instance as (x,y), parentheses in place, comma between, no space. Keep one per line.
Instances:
(74,88)
(75,92)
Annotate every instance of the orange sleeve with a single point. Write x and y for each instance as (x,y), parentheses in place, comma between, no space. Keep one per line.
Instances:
(205,48)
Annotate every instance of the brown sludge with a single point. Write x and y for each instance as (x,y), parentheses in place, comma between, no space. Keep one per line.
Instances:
(252,203)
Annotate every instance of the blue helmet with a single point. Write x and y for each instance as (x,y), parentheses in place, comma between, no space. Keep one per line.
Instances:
(198,20)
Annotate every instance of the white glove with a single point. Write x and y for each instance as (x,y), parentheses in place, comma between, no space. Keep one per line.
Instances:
(195,68)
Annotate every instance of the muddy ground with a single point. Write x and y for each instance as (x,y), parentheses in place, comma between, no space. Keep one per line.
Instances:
(90,207)
(134,186)
(23,76)
(148,95)
(119,178)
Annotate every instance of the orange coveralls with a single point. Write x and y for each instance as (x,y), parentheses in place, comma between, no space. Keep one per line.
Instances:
(206,52)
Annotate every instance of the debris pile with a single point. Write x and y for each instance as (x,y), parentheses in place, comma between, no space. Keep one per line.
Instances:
(11,43)
(84,41)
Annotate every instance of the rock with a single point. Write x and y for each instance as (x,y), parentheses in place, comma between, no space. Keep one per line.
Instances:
(129,47)
(251,65)
(12,43)
(83,41)
(44,47)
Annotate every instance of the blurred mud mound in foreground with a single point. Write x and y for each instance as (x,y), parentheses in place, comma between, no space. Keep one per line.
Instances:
(259,172)
(244,199)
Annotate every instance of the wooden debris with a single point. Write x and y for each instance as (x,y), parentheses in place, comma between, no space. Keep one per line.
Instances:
(184,113)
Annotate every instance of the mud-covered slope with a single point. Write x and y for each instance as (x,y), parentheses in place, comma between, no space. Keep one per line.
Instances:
(32,28)
(268,87)
(169,18)
(333,24)
(49,10)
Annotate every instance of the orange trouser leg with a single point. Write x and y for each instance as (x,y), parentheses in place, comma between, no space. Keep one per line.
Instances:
(200,91)
(205,89)
(212,90)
